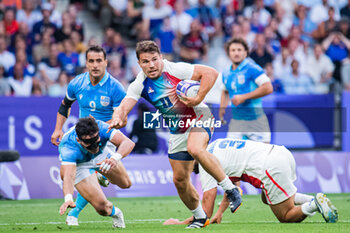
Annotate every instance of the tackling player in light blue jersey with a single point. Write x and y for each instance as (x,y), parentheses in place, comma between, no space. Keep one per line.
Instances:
(83,150)
(98,94)
(244,83)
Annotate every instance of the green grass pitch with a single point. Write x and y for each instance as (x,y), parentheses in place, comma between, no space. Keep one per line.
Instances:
(147,215)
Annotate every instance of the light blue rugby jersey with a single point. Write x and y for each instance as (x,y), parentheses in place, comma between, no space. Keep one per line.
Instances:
(72,152)
(241,81)
(98,100)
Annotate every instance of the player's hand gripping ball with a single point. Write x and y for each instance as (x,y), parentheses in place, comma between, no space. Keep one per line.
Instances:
(187,88)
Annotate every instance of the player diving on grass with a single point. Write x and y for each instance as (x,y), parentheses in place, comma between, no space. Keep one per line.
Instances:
(157,84)
(81,154)
(97,94)
(267,167)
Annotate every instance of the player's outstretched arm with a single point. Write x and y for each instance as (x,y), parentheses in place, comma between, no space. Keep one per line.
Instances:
(68,177)
(120,114)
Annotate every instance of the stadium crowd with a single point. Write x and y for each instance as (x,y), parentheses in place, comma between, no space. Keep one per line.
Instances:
(303,45)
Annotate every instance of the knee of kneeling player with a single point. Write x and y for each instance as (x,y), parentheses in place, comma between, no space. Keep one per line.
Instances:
(103,208)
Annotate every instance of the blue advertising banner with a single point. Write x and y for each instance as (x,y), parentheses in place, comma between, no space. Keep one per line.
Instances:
(299,121)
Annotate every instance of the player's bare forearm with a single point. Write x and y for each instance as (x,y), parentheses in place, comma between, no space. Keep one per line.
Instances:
(60,120)
(123,143)
(225,99)
(207,76)
(68,177)
(263,90)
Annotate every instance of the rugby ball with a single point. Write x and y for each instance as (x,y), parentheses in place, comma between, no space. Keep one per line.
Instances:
(187,88)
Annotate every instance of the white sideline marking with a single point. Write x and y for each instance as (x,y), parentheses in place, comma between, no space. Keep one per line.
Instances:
(135,221)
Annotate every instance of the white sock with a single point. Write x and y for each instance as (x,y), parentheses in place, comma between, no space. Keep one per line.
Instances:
(301,198)
(309,208)
(199,213)
(226,184)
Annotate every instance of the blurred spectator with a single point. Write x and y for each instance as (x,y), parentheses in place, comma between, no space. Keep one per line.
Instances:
(134,12)
(260,54)
(207,17)
(276,83)
(194,46)
(297,51)
(49,68)
(56,16)
(37,89)
(344,27)
(262,14)
(21,58)
(272,40)
(20,44)
(165,39)
(284,18)
(20,84)
(59,88)
(146,141)
(7,59)
(153,16)
(76,23)
(297,83)
(4,85)
(28,37)
(115,69)
(320,68)
(303,22)
(42,49)
(180,21)
(69,59)
(119,20)
(282,64)
(78,44)
(28,14)
(320,12)
(247,33)
(228,18)
(45,23)
(345,11)
(326,27)
(64,32)
(337,47)
(10,23)
(118,47)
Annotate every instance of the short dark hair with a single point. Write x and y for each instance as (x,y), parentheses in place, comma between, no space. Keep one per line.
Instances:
(86,127)
(146,46)
(237,40)
(96,49)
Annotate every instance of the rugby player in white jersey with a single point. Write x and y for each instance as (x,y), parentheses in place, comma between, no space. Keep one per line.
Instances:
(267,167)
(157,84)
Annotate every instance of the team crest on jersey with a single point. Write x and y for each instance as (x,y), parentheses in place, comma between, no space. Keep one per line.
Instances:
(80,96)
(240,79)
(105,100)
(150,90)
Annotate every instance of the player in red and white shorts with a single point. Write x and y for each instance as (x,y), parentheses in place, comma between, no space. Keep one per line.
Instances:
(265,166)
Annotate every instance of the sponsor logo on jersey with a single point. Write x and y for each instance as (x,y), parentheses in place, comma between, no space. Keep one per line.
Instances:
(240,79)
(150,90)
(105,100)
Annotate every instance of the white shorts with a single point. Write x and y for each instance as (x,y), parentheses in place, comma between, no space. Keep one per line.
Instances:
(178,142)
(279,175)
(85,169)
(256,130)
